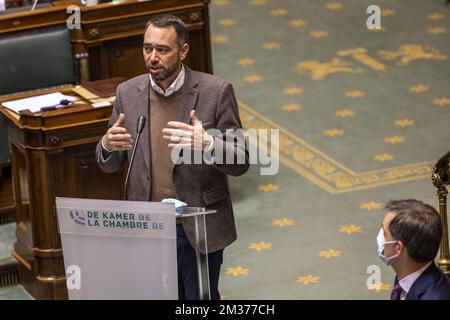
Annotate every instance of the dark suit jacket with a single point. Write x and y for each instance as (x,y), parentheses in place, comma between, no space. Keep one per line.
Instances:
(199,185)
(431,285)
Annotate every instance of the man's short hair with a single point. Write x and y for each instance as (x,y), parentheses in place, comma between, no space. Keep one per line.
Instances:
(418,226)
(167,21)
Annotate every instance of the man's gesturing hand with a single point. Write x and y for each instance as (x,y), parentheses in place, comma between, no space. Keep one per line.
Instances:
(182,135)
(117,137)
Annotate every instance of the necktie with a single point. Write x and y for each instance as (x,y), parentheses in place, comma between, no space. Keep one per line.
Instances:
(396,291)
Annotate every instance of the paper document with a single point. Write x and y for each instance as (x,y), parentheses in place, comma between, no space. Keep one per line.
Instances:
(2,5)
(34,104)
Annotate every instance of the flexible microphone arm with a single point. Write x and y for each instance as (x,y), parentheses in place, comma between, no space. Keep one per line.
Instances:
(140,127)
(34,5)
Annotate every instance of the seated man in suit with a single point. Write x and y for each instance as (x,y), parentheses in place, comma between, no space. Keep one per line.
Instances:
(409,241)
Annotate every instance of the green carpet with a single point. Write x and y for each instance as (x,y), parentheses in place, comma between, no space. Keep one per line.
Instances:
(14,293)
(7,238)
(361,115)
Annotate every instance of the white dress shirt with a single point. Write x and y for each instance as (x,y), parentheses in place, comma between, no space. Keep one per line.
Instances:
(174,87)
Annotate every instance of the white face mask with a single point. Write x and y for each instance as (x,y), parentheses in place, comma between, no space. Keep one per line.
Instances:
(380,247)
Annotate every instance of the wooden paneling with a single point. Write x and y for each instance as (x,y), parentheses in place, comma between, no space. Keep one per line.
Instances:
(110,41)
(52,155)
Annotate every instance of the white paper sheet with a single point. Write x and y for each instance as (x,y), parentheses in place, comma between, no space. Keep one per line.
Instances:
(2,5)
(34,104)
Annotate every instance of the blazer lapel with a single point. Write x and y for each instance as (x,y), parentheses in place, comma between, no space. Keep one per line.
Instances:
(189,96)
(143,110)
(188,101)
(422,283)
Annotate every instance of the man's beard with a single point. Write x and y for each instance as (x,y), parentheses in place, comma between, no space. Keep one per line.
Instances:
(166,73)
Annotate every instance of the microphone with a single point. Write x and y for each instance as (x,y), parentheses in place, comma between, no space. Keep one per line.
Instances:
(140,126)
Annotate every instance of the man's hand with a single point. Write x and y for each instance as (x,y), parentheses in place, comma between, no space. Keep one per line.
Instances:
(182,135)
(117,137)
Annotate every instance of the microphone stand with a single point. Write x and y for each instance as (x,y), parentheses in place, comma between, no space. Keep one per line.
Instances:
(140,127)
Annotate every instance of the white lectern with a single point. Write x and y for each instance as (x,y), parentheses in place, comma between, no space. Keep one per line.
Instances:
(126,249)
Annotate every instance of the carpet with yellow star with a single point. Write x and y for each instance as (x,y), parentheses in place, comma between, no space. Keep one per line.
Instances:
(361,114)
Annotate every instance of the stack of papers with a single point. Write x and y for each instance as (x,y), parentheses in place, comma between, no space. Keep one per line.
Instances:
(34,104)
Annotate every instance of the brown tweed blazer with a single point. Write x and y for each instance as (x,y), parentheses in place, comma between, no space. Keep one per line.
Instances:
(199,185)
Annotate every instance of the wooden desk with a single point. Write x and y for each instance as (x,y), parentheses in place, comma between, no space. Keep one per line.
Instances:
(109,43)
(26,20)
(52,155)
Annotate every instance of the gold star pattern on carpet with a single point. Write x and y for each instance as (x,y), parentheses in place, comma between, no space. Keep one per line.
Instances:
(245,62)
(329,253)
(298,23)
(350,229)
(382,29)
(227,22)
(220,2)
(387,12)
(291,107)
(344,113)
(370,205)
(291,91)
(259,246)
(278,12)
(253,78)
(237,271)
(420,88)
(435,16)
(436,30)
(394,139)
(410,52)
(380,286)
(442,102)
(271,45)
(303,158)
(354,94)
(318,34)
(308,279)
(334,132)
(259,2)
(383,157)
(269,187)
(319,70)
(404,122)
(361,55)
(219,39)
(333,6)
(283,222)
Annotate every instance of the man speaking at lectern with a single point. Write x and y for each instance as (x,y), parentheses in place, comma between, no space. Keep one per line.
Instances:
(176,101)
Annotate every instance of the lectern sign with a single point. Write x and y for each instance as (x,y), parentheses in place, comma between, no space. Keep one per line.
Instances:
(134,224)
(120,249)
